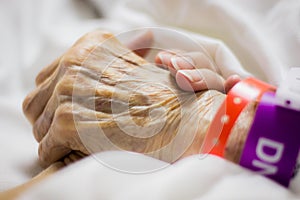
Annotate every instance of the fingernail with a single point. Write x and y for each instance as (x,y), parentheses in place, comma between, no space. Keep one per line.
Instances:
(182,63)
(163,58)
(187,75)
(174,63)
(235,77)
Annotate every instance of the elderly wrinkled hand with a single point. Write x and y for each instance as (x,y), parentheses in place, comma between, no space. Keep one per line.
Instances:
(66,93)
(102,96)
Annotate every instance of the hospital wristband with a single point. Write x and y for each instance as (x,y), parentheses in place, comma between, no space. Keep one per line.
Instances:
(272,145)
(237,99)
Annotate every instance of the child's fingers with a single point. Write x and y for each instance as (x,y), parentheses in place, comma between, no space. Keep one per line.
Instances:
(199,79)
(163,58)
(191,60)
(141,43)
(231,81)
(194,60)
(195,71)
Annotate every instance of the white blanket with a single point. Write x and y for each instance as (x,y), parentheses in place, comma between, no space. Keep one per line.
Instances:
(264,35)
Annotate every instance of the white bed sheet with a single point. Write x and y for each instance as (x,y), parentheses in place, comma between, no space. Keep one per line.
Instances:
(264,35)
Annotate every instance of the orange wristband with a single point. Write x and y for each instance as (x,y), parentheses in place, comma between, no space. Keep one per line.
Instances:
(237,99)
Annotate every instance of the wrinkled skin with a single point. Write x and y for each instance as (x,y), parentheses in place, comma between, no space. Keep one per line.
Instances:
(100,96)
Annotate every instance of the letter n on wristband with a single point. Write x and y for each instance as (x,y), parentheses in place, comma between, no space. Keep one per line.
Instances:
(237,99)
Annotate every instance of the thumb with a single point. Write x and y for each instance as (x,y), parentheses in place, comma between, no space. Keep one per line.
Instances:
(141,43)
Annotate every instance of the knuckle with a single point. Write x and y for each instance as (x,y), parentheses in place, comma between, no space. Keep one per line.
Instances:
(65,85)
(97,36)
(63,115)
(63,126)
(77,54)
(82,47)
(72,57)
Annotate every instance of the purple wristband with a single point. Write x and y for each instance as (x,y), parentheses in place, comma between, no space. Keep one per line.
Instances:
(272,145)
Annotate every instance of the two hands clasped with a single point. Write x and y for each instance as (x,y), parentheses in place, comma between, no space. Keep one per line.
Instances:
(193,71)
